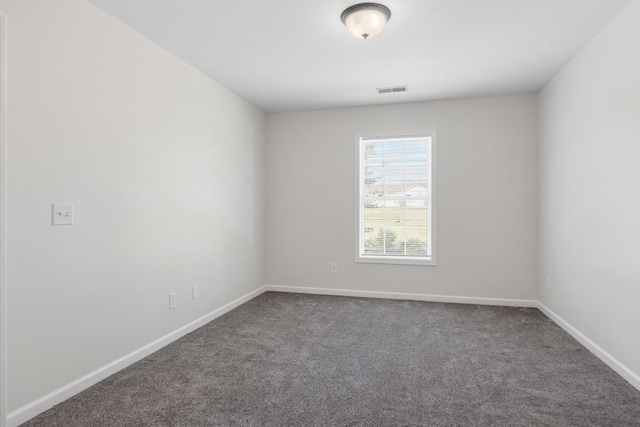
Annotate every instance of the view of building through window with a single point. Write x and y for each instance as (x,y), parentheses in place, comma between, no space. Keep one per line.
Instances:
(395,198)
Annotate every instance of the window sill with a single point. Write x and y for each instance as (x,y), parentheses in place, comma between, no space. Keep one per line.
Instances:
(399,260)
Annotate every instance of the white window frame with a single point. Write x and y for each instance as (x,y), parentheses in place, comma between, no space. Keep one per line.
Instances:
(431,222)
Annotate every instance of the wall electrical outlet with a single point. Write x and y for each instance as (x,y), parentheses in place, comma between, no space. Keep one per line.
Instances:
(547,281)
(172,300)
(194,291)
(334,268)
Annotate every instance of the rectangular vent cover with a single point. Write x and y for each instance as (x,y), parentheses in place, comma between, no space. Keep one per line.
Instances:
(392,89)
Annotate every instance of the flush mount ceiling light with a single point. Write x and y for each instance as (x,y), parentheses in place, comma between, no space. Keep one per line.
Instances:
(365,20)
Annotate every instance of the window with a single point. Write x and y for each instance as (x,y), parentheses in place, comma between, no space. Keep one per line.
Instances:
(396,199)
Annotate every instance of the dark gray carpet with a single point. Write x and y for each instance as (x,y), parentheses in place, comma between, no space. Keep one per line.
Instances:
(302,360)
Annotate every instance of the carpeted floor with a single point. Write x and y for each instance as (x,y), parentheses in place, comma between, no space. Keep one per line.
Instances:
(302,360)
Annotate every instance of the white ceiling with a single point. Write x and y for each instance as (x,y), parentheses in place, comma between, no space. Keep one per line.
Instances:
(287,55)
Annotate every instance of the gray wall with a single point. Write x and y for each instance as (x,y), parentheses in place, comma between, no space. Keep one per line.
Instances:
(165,168)
(590,196)
(486,203)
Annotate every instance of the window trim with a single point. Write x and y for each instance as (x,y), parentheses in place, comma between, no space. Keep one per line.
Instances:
(398,260)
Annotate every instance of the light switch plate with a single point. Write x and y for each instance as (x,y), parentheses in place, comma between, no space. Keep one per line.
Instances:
(62,214)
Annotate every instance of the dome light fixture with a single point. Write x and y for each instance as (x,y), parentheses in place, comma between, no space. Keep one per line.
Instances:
(365,20)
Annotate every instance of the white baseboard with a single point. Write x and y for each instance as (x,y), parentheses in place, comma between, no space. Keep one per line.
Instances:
(404,296)
(609,360)
(36,407)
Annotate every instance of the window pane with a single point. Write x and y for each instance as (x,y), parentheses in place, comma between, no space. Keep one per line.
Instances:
(394,163)
(416,213)
(395,189)
(373,240)
(373,214)
(417,241)
(394,240)
(394,213)
(373,169)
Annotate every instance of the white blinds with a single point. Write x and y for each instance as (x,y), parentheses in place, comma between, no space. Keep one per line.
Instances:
(395,197)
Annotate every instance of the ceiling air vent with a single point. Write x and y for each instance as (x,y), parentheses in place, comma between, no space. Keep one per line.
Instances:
(392,89)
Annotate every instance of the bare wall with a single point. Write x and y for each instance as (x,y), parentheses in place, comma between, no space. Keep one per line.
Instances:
(590,201)
(165,168)
(486,203)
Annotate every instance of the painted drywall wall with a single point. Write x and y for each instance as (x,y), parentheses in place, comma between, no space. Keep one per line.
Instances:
(590,202)
(3,299)
(165,168)
(486,202)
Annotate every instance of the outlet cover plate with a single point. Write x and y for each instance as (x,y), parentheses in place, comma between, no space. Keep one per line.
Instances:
(62,214)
